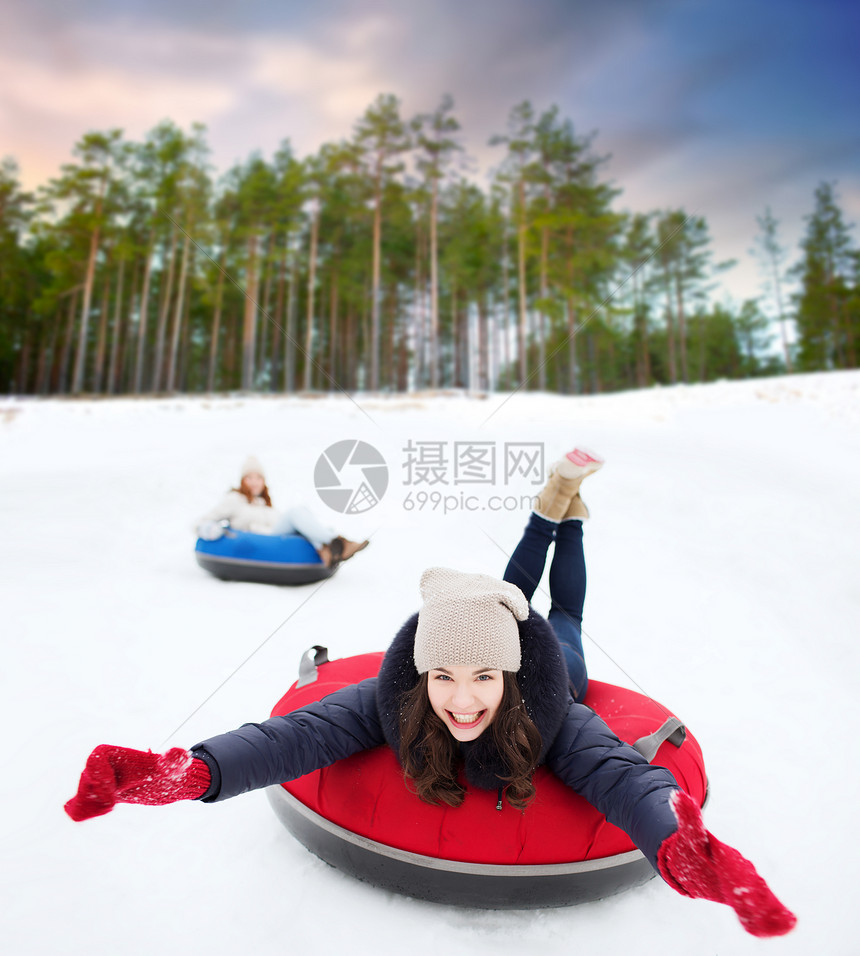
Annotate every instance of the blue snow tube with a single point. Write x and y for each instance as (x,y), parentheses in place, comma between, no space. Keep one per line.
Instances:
(263,558)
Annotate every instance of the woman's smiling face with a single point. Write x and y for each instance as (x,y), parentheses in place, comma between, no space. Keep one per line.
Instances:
(465,698)
(254,483)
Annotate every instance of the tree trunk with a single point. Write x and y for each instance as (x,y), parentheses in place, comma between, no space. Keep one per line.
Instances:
(401,370)
(457,371)
(506,317)
(125,371)
(670,331)
(80,354)
(178,312)
(643,357)
(364,323)
(374,294)
(483,351)
(571,347)
(46,357)
(117,330)
(265,303)
(289,341)
(141,320)
(101,341)
(521,276)
(593,359)
(544,292)
(21,375)
(63,383)
(163,312)
(332,333)
(232,332)
(421,334)
(185,342)
(216,319)
(777,286)
(249,326)
(842,327)
(350,352)
(434,286)
(682,326)
(389,361)
(312,274)
(279,323)
(495,359)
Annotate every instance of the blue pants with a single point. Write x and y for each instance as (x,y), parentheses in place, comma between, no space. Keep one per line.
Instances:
(566,585)
(301,520)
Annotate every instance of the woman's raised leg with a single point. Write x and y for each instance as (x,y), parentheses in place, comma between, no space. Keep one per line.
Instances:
(526,564)
(301,520)
(557,517)
(567,590)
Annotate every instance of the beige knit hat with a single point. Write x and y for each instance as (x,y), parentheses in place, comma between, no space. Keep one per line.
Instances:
(252,466)
(468,619)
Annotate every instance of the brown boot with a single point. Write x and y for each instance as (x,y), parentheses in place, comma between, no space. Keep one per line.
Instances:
(560,499)
(553,501)
(342,549)
(576,509)
(349,548)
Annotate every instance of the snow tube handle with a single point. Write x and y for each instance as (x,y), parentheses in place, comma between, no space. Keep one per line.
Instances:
(672,730)
(308,667)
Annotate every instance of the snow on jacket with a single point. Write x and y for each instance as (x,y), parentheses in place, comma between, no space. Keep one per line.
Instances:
(577,745)
(242,514)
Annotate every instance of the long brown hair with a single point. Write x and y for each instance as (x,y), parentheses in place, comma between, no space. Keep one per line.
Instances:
(264,494)
(430,756)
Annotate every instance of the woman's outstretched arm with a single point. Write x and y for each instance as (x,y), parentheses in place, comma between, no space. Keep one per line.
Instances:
(252,757)
(663,821)
(284,748)
(616,779)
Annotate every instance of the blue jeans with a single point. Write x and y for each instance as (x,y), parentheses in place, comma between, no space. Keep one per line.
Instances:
(566,585)
(301,520)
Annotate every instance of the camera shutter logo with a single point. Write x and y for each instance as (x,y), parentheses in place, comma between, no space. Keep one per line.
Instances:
(351,476)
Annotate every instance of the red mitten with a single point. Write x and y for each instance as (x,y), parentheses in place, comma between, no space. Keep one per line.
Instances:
(118,775)
(695,863)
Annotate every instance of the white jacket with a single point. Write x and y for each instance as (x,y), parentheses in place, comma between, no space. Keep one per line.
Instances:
(242,514)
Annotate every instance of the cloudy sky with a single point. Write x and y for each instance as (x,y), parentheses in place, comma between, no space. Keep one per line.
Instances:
(720,107)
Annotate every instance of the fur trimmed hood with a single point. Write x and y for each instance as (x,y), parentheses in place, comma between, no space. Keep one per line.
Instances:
(542,679)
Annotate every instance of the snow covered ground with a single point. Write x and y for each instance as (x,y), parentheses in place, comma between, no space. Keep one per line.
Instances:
(723,574)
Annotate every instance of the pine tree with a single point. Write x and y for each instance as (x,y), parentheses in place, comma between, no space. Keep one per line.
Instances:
(682,250)
(380,135)
(434,136)
(772,256)
(16,212)
(87,190)
(637,255)
(517,171)
(256,194)
(753,335)
(828,324)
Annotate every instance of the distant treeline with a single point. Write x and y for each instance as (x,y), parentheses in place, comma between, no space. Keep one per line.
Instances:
(375,264)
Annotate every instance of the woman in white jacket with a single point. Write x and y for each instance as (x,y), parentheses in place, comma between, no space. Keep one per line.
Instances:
(249,508)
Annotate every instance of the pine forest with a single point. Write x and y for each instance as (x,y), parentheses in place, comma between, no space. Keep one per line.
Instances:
(384,263)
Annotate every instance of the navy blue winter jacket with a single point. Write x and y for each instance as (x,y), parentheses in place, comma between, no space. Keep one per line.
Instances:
(577,745)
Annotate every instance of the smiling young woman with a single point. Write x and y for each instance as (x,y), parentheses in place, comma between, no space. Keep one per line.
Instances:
(476,689)
(432,732)
(249,508)
(465,698)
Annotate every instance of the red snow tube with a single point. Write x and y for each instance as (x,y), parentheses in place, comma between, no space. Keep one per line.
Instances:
(359,815)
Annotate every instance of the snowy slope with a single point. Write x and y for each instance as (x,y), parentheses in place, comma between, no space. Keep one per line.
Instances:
(723,566)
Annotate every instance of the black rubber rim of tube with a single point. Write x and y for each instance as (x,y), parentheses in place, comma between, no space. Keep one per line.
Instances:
(480,885)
